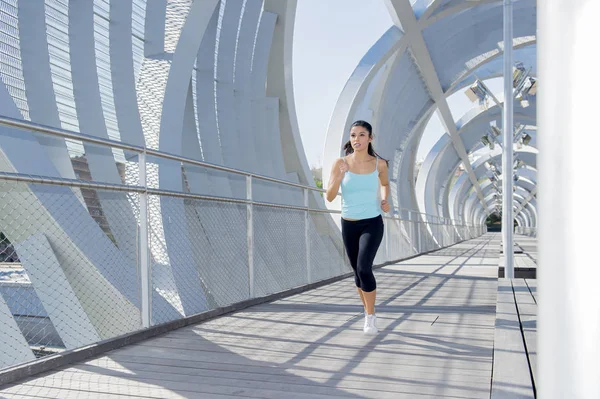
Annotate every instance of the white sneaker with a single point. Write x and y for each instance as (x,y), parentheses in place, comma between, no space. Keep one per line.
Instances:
(370,327)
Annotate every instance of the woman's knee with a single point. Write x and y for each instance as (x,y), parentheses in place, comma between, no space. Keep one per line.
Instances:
(369,285)
(365,273)
(367,279)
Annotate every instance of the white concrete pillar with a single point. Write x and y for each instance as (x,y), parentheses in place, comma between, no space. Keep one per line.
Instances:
(569,298)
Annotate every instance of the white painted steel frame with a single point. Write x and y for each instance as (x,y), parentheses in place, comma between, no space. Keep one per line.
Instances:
(569,298)
(507,152)
(423,24)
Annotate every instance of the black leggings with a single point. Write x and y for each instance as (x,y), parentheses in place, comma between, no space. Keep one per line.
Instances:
(362,239)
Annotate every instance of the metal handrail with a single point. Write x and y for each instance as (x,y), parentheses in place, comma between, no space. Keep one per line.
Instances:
(36,127)
(66,134)
(36,179)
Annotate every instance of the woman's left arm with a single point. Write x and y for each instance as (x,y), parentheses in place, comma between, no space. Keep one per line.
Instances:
(384,184)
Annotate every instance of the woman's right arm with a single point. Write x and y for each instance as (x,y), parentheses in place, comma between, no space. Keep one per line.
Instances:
(338,170)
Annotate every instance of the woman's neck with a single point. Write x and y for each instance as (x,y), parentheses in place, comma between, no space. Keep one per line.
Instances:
(361,156)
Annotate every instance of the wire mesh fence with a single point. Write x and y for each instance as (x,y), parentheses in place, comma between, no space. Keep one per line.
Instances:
(74,253)
(280,249)
(527,231)
(72,280)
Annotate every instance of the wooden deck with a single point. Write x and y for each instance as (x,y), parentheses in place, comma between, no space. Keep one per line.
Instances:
(515,343)
(436,314)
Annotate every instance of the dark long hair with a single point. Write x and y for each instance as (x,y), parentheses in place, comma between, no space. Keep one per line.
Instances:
(348,146)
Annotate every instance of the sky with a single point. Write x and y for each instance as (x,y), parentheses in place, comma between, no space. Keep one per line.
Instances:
(330,38)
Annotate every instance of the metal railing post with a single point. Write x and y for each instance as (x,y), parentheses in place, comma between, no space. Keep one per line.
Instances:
(418,225)
(386,234)
(250,235)
(307,237)
(145,270)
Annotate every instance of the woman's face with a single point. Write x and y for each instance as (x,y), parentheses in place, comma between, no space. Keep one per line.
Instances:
(359,138)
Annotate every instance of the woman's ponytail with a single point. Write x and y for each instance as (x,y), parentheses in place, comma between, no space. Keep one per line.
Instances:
(348,148)
(372,153)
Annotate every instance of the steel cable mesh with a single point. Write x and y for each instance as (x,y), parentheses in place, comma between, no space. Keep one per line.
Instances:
(73,276)
(448,235)
(424,238)
(528,231)
(442,234)
(432,241)
(410,229)
(70,275)
(390,236)
(408,232)
(275,193)
(327,254)
(398,240)
(382,252)
(202,263)
(206,181)
(436,238)
(439,234)
(279,249)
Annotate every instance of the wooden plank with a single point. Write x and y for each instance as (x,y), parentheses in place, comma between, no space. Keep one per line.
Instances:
(436,314)
(446,333)
(532,284)
(223,343)
(327,379)
(305,359)
(273,373)
(528,315)
(511,378)
(146,385)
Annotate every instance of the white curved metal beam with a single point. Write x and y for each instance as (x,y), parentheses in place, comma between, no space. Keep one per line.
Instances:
(428,19)
(205,104)
(460,190)
(455,41)
(483,60)
(242,85)
(90,261)
(233,154)
(89,106)
(13,346)
(280,84)
(403,168)
(532,195)
(532,207)
(174,133)
(405,91)
(266,110)
(123,74)
(427,179)
(390,43)
(39,86)
(423,59)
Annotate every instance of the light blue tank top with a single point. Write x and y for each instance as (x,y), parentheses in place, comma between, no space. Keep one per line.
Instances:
(359,195)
